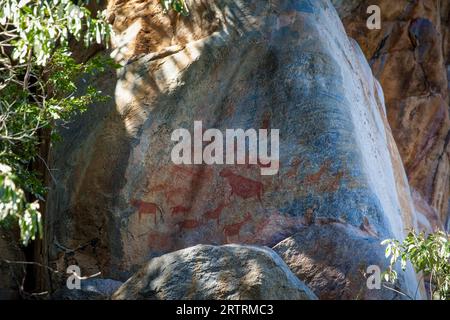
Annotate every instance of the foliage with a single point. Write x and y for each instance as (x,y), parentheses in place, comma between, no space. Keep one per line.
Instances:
(36,27)
(14,204)
(428,254)
(176,5)
(38,80)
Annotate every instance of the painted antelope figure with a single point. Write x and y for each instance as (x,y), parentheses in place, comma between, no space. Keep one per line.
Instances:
(215,214)
(179,210)
(242,186)
(235,228)
(189,224)
(149,208)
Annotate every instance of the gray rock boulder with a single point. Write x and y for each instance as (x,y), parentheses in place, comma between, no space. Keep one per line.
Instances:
(75,294)
(333,260)
(216,272)
(91,289)
(105,287)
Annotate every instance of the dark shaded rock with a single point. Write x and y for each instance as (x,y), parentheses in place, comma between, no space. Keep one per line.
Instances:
(323,256)
(91,289)
(11,274)
(104,287)
(75,294)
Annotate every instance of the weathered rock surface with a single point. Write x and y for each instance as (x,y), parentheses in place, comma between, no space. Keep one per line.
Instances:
(91,289)
(410,56)
(105,287)
(118,199)
(11,275)
(75,294)
(204,272)
(428,218)
(323,257)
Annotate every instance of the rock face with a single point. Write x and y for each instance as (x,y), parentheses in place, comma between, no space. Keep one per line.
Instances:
(91,289)
(68,294)
(105,287)
(410,56)
(203,272)
(119,199)
(11,275)
(323,257)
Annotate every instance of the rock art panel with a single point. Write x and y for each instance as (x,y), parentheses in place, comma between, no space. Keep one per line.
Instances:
(284,65)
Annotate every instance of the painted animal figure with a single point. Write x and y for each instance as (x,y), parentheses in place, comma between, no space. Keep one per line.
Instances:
(316,177)
(148,208)
(159,241)
(235,228)
(176,195)
(215,214)
(179,210)
(189,224)
(242,186)
(259,228)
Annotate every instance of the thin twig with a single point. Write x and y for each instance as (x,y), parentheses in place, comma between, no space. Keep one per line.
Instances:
(31,263)
(27,74)
(69,250)
(48,169)
(87,277)
(418,285)
(404,294)
(431,286)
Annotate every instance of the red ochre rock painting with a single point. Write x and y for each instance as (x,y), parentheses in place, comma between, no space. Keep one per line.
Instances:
(241,186)
(175,187)
(265,123)
(147,208)
(193,172)
(316,177)
(324,180)
(189,216)
(159,241)
(233,230)
(293,171)
(179,210)
(189,224)
(215,213)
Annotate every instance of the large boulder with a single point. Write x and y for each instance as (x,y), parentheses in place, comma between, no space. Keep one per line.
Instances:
(230,272)
(410,56)
(119,200)
(323,256)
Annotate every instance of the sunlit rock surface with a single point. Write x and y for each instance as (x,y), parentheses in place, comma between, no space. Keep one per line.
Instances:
(231,272)
(410,56)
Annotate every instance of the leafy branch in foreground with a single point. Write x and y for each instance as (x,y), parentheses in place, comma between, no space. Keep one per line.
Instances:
(13,204)
(428,254)
(179,6)
(37,87)
(34,28)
